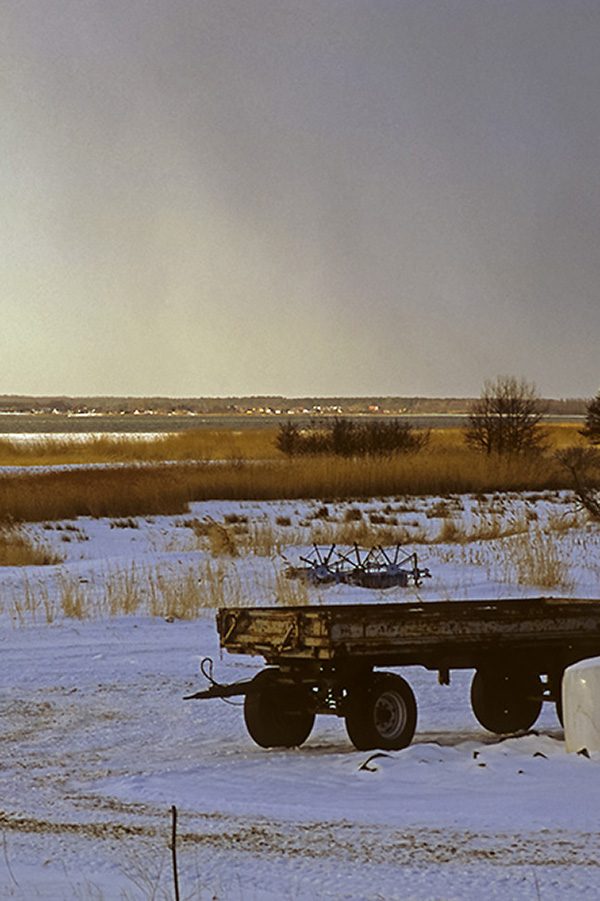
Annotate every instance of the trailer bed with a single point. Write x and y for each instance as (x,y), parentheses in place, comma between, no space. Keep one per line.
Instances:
(327,659)
(433,633)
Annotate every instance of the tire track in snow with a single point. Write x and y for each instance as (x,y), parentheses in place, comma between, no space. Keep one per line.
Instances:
(342,841)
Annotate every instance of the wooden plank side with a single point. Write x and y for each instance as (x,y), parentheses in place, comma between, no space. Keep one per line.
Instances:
(386,629)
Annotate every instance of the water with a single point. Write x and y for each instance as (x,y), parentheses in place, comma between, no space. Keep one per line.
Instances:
(129,424)
(126,424)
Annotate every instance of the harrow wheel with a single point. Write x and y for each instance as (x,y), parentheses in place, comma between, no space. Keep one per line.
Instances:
(375,567)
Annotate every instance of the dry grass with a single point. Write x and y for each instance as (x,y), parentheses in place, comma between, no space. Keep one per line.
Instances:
(203,445)
(535,559)
(130,591)
(291,592)
(509,548)
(192,444)
(18,549)
(485,528)
(111,492)
(123,491)
(221,539)
(358,532)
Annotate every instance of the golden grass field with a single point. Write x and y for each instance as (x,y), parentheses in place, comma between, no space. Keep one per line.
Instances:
(164,475)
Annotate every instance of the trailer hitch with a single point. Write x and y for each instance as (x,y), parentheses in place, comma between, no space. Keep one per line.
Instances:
(221,691)
(217,689)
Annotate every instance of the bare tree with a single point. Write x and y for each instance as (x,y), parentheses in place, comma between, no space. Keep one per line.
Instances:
(506,418)
(583,464)
(591,429)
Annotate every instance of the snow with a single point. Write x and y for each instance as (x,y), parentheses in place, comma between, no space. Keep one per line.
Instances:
(97,743)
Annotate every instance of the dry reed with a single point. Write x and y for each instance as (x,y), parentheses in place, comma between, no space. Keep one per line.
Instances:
(535,559)
(18,549)
(122,491)
(130,591)
(201,445)
(191,444)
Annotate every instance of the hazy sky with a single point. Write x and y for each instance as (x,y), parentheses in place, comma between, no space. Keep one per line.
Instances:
(332,197)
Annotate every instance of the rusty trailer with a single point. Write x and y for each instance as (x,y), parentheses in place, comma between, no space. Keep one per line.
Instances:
(328,659)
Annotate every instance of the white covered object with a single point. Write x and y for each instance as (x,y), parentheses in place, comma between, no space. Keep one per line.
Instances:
(581,705)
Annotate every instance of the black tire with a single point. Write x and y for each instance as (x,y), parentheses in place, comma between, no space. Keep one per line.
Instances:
(277,715)
(505,702)
(381,713)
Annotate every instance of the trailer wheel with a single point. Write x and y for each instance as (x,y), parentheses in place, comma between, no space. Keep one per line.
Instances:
(277,715)
(381,713)
(506,702)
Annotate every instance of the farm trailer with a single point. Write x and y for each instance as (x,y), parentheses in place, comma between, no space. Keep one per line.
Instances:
(328,659)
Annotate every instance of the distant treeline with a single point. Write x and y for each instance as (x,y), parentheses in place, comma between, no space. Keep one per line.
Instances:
(267,404)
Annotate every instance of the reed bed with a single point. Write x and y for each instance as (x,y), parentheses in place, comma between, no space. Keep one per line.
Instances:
(202,445)
(122,491)
(192,444)
(556,435)
(207,464)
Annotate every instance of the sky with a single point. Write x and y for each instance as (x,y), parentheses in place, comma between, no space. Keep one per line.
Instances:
(299,197)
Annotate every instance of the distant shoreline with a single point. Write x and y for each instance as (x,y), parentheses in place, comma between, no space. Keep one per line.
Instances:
(58,424)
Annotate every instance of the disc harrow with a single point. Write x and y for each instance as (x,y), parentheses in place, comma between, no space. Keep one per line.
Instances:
(377,567)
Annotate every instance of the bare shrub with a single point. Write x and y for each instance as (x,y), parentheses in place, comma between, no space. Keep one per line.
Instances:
(289,439)
(346,438)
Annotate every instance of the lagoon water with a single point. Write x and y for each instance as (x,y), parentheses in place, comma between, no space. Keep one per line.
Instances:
(127,424)
(26,424)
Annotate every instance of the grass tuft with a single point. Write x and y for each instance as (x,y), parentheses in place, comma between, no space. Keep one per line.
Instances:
(18,549)
(537,561)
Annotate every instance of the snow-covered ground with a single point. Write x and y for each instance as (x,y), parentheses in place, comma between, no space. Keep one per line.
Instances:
(97,744)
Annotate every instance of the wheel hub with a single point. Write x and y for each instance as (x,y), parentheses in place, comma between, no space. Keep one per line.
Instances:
(390,715)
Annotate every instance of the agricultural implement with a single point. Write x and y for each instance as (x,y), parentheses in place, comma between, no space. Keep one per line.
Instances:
(327,659)
(375,567)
